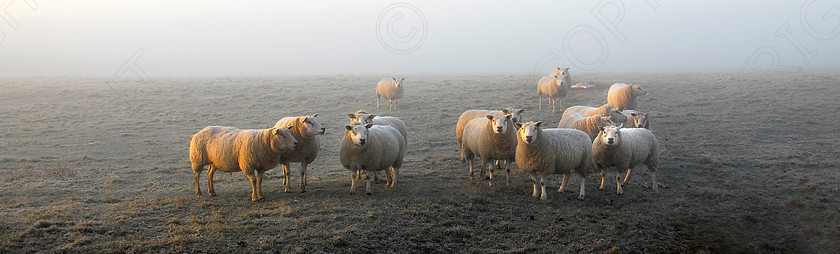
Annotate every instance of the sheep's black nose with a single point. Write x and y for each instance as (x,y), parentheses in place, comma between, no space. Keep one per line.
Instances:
(362,141)
(528,138)
(499,129)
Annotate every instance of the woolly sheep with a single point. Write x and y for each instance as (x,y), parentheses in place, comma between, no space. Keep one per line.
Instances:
(306,130)
(553,151)
(467,116)
(623,96)
(636,119)
(362,117)
(230,150)
(587,124)
(606,109)
(491,138)
(371,147)
(391,89)
(625,149)
(553,87)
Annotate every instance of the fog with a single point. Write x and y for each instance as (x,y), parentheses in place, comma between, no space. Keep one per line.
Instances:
(141,39)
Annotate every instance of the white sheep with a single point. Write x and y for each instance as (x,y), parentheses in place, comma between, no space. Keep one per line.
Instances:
(636,119)
(553,151)
(362,117)
(371,147)
(230,149)
(391,89)
(491,138)
(469,115)
(564,72)
(553,87)
(623,96)
(606,109)
(306,130)
(625,149)
(587,124)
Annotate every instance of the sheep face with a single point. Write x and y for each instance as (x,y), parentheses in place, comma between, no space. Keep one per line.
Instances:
(639,119)
(358,133)
(528,132)
(616,115)
(282,139)
(516,114)
(605,121)
(360,118)
(637,90)
(499,123)
(609,136)
(312,127)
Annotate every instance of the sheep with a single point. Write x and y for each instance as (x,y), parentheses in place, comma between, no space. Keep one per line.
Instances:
(306,130)
(625,149)
(554,87)
(564,72)
(623,96)
(636,119)
(553,151)
(491,138)
(230,150)
(606,109)
(467,116)
(587,124)
(371,147)
(391,89)
(362,117)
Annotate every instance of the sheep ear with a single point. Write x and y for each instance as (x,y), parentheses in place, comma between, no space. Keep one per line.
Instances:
(278,131)
(517,125)
(352,116)
(289,128)
(632,114)
(490,117)
(315,115)
(521,110)
(368,126)
(505,111)
(538,123)
(567,69)
(402,79)
(620,125)
(348,127)
(370,117)
(395,79)
(508,116)
(600,128)
(558,68)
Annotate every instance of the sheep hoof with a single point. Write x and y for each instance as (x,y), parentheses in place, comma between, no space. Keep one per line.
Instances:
(369,193)
(580,197)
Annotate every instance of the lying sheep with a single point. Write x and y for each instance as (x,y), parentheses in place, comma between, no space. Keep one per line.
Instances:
(362,117)
(587,124)
(491,138)
(623,96)
(625,149)
(230,150)
(306,130)
(606,109)
(636,119)
(371,147)
(391,89)
(554,87)
(553,151)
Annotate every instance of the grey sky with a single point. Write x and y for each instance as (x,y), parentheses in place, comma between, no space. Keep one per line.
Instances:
(221,38)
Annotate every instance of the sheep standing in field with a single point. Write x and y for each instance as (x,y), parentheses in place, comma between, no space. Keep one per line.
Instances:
(625,149)
(636,119)
(362,117)
(371,147)
(491,138)
(623,96)
(553,151)
(469,115)
(391,89)
(229,149)
(554,88)
(606,109)
(306,130)
(587,124)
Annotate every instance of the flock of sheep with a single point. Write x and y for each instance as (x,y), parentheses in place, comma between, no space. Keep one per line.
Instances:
(587,138)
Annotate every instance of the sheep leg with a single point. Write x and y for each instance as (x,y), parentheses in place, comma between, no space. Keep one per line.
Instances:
(377,101)
(534,182)
(507,174)
(627,178)
(367,181)
(394,179)
(287,181)
(353,178)
(618,190)
(471,169)
(259,184)
(553,104)
(653,178)
(253,180)
(563,183)
(490,171)
(603,176)
(543,196)
(211,171)
(196,175)
(375,177)
(582,187)
(303,177)
(540,94)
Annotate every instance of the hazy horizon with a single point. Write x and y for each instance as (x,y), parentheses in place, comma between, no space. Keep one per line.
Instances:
(217,39)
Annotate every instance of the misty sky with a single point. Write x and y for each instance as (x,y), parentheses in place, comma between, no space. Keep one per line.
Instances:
(242,38)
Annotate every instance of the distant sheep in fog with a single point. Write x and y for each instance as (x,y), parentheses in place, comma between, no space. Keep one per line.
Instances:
(623,96)
(306,130)
(553,87)
(229,149)
(391,89)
